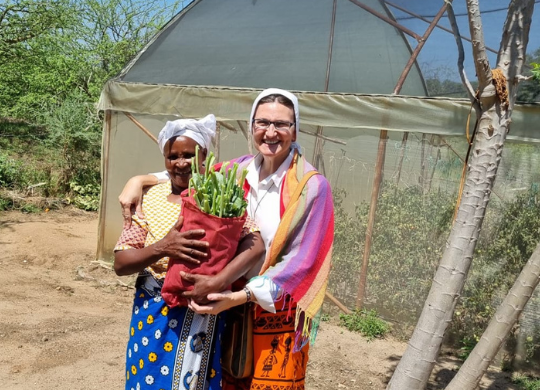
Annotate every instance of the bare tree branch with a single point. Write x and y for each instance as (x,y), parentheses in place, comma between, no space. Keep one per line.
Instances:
(461,57)
(515,38)
(481,61)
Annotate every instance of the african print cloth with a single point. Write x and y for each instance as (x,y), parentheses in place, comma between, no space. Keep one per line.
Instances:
(276,365)
(171,348)
(167,348)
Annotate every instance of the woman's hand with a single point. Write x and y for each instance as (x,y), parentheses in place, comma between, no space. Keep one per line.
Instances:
(131,197)
(176,244)
(220,302)
(202,286)
(183,245)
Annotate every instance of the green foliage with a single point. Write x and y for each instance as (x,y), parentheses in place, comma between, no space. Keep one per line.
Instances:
(85,197)
(75,135)
(23,20)
(366,322)
(218,193)
(49,50)
(9,171)
(467,345)
(535,71)
(408,239)
(55,57)
(30,208)
(510,237)
(529,91)
(526,383)
(6,203)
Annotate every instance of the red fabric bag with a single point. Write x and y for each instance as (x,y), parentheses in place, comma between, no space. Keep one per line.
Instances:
(222,234)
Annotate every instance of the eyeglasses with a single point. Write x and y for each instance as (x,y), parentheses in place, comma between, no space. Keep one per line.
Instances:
(264,124)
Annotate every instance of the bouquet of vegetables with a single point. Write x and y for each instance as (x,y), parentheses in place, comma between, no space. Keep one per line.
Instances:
(218,193)
(215,201)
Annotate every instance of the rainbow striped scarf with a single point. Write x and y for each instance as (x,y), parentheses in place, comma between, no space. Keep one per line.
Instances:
(299,258)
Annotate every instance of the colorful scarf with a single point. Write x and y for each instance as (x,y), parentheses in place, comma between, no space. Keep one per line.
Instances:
(299,258)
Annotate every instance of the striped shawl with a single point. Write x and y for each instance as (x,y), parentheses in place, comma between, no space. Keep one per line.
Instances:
(299,258)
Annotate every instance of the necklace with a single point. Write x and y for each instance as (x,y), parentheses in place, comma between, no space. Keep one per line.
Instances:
(259,202)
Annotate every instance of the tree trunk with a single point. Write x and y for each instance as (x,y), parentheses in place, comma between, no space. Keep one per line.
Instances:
(494,110)
(499,327)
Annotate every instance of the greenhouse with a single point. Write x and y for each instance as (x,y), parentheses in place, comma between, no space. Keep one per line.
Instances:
(383,117)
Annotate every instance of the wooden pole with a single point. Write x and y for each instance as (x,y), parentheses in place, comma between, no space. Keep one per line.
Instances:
(248,135)
(335,301)
(140,126)
(106,141)
(317,160)
(379,167)
(401,156)
(421,179)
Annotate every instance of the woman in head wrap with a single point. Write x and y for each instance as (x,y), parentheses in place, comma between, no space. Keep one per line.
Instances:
(298,236)
(173,348)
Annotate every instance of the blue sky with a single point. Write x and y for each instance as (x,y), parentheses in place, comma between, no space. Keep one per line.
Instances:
(441,51)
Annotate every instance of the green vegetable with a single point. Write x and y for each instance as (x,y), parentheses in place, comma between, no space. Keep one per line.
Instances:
(218,193)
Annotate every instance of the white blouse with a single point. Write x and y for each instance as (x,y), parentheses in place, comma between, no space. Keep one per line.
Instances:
(263,207)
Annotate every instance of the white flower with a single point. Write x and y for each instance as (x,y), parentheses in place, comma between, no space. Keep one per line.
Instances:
(129,353)
(158,298)
(157,334)
(145,341)
(136,310)
(149,379)
(173,323)
(138,386)
(145,304)
(136,347)
(164,370)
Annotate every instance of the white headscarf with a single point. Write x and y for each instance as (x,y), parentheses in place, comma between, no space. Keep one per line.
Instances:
(201,131)
(288,95)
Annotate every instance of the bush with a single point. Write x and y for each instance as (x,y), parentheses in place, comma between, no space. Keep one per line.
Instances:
(74,134)
(9,171)
(511,233)
(409,236)
(86,197)
(365,322)
(526,383)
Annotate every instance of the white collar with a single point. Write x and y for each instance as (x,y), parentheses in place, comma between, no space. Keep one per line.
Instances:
(277,177)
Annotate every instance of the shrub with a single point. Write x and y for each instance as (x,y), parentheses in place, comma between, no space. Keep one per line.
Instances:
(365,322)
(526,383)
(409,236)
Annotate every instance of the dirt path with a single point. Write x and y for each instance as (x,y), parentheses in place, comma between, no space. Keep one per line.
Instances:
(64,319)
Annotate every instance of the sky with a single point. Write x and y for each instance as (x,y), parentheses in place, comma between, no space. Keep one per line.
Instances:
(440,50)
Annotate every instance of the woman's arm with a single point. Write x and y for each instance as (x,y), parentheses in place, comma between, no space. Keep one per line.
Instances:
(131,197)
(250,250)
(222,301)
(183,246)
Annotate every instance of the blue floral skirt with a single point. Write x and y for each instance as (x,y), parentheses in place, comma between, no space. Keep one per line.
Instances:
(171,348)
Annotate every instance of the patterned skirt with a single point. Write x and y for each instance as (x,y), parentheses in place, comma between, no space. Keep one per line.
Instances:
(276,365)
(171,348)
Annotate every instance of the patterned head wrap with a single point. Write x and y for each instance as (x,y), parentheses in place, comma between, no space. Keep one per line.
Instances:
(201,131)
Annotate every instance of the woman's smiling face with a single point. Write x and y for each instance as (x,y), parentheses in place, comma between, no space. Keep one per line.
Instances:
(178,153)
(272,143)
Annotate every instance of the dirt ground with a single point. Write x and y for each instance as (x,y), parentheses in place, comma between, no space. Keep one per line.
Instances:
(64,317)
